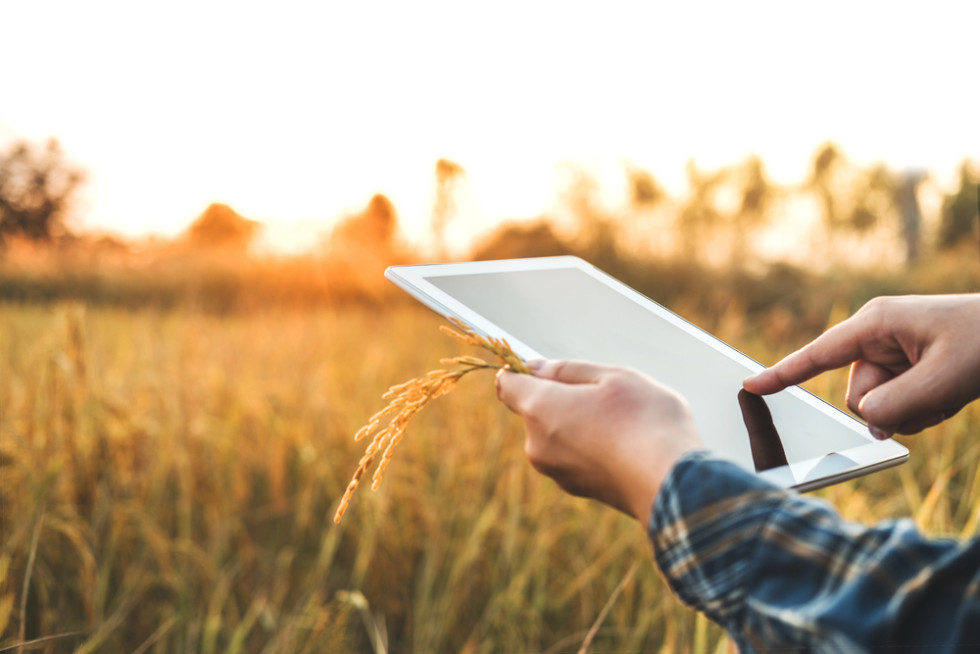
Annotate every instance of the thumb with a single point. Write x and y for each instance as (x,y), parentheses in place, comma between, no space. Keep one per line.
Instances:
(514,388)
(570,372)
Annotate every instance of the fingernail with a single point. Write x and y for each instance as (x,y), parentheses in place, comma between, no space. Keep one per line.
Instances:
(535,365)
(880,434)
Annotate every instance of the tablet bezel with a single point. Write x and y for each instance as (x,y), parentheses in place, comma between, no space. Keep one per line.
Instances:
(872,456)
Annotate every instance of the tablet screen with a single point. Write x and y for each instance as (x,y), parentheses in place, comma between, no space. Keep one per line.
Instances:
(565,313)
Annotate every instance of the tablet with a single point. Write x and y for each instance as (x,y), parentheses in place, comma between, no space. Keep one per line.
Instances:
(565,308)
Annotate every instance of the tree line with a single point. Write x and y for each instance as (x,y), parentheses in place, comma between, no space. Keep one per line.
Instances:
(722,210)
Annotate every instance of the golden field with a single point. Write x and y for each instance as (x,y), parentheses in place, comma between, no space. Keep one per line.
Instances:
(177,413)
(169,478)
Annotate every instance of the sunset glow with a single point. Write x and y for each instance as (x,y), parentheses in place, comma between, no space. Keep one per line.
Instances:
(296,113)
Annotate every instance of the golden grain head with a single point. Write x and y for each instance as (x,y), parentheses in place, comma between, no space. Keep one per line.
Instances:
(410,397)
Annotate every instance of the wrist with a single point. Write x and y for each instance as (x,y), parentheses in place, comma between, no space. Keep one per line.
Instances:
(654,476)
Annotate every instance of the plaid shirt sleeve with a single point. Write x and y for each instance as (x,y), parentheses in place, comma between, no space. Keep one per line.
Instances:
(782,571)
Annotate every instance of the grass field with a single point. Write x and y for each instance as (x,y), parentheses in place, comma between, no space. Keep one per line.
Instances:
(169,478)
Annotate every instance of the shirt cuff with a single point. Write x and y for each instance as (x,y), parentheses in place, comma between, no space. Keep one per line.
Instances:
(704,526)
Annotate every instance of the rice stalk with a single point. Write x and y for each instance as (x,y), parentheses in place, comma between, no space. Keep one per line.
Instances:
(26,587)
(590,636)
(410,397)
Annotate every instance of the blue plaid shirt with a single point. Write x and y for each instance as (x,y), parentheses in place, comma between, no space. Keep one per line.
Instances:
(783,572)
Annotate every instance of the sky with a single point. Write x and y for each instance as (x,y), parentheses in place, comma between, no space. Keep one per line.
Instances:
(296,113)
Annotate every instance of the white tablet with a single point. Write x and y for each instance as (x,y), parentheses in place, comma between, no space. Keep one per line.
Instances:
(565,308)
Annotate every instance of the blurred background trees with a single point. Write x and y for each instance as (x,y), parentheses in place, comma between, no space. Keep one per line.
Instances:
(37,188)
(449,177)
(734,233)
(960,221)
(221,227)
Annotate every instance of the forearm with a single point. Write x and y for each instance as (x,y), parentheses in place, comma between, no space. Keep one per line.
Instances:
(779,570)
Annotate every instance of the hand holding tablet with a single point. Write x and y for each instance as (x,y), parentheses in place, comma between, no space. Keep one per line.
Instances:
(603,432)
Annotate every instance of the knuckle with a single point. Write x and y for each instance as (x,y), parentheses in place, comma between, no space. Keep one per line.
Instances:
(558,368)
(877,313)
(878,306)
(614,384)
(531,405)
(625,379)
(615,391)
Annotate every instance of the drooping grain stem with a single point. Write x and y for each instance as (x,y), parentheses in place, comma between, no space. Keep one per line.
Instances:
(410,397)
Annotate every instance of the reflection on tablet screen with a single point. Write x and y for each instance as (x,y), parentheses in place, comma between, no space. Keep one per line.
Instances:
(567,314)
(767,449)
